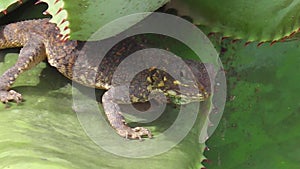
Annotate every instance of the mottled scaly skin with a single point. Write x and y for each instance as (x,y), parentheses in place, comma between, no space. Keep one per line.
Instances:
(79,61)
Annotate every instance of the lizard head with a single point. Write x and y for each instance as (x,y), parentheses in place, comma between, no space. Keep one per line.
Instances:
(193,85)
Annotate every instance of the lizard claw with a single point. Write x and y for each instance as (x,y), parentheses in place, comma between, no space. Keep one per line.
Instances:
(135,133)
(6,96)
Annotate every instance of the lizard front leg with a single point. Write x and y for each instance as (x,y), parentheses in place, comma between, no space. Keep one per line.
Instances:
(31,54)
(115,117)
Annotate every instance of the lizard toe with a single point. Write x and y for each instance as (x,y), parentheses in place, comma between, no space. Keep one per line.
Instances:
(6,96)
(135,133)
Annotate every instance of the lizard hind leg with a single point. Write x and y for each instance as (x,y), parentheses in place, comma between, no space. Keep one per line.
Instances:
(30,55)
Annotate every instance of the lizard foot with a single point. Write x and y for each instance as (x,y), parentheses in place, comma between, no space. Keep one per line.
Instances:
(135,133)
(6,96)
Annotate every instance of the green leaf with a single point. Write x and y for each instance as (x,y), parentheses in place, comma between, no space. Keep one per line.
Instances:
(26,11)
(80,19)
(261,123)
(6,5)
(44,132)
(255,20)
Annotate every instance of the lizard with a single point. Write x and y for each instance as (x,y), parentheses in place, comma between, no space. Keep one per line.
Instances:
(40,40)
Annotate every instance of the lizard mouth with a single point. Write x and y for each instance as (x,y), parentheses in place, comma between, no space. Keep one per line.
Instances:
(185,99)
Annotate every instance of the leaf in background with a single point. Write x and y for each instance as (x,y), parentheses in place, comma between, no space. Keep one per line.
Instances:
(6,5)
(255,20)
(261,123)
(80,19)
(28,10)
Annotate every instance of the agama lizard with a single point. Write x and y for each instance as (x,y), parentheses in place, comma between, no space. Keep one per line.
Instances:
(40,40)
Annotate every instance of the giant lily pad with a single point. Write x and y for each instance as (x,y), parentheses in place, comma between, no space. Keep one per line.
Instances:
(261,124)
(6,5)
(80,19)
(256,20)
